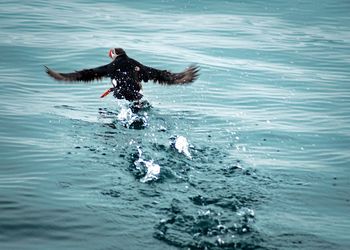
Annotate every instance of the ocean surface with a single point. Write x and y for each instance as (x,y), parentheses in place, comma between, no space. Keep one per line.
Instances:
(255,154)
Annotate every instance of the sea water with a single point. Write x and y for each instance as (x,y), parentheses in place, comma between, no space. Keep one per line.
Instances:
(255,154)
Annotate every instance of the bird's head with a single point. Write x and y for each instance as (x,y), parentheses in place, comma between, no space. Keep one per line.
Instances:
(115,52)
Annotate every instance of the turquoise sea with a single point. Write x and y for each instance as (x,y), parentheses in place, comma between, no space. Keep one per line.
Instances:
(253,155)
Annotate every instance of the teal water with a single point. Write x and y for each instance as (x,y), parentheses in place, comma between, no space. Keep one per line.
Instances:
(267,122)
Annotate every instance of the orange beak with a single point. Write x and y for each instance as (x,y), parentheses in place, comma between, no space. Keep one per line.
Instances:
(110,53)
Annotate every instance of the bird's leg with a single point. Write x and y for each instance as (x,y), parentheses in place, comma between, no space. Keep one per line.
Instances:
(107,92)
(114,83)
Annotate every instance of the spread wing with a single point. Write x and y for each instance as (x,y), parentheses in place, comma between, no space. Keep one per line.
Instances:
(85,75)
(168,78)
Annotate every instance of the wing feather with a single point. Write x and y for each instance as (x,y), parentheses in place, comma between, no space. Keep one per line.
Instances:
(85,75)
(168,78)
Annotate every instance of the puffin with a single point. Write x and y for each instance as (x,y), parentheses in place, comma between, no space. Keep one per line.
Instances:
(126,75)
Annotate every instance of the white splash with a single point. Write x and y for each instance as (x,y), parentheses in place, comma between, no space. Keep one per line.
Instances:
(182,145)
(130,119)
(247,212)
(153,169)
(125,114)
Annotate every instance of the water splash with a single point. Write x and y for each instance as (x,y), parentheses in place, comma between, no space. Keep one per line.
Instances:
(152,169)
(129,119)
(208,228)
(181,144)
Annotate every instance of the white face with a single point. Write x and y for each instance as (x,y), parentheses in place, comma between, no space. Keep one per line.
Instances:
(114,82)
(112,54)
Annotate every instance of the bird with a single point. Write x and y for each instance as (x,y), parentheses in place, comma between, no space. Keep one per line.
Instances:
(126,75)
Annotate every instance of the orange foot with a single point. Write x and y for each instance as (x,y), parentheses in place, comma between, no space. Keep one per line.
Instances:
(107,92)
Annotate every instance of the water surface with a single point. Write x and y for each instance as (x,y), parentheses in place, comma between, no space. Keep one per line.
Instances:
(267,127)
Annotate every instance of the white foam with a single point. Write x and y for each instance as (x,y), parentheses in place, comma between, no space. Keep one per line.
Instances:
(128,118)
(182,146)
(153,169)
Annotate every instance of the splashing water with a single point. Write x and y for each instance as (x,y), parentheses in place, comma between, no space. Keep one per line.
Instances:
(129,119)
(267,118)
(181,144)
(152,168)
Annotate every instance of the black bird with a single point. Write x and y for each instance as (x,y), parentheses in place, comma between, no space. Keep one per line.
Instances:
(126,75)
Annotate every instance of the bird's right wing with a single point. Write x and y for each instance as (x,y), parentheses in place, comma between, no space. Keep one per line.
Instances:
(168,78)
(85,75)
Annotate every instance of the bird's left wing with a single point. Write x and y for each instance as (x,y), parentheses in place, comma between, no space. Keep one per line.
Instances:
(85,75)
